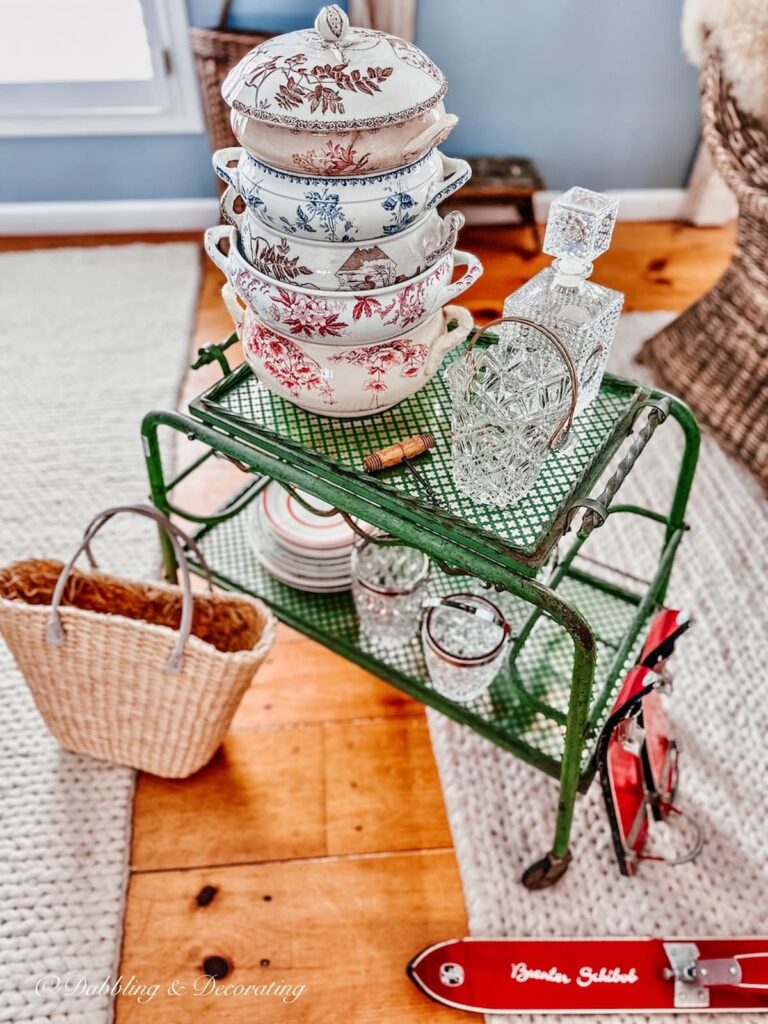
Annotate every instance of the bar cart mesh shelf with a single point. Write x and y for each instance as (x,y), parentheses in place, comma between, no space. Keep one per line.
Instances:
(240,401)
(575,633)
(503,713)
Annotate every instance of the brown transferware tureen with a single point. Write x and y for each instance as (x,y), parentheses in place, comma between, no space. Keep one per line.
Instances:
(353,100)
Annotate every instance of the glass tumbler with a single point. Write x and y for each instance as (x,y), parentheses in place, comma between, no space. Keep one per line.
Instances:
(464,640)
(388,585)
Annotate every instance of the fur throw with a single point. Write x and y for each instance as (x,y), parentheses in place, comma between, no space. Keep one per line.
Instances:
(739,29)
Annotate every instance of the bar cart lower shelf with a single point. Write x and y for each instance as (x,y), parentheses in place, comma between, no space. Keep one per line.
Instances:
(576,632)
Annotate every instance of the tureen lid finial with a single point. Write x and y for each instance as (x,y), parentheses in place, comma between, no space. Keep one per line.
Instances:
(331,24)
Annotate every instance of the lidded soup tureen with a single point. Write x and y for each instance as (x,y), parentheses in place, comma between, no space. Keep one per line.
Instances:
(353,100)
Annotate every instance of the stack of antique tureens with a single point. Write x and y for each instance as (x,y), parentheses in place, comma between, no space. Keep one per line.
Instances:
(337,261)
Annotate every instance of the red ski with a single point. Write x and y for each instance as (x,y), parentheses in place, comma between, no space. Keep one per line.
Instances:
(666,629)
(595,975)
(636,756)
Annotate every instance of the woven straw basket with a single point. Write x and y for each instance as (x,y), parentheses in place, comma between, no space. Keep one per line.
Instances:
(141,674)
(217,50)
(715,355)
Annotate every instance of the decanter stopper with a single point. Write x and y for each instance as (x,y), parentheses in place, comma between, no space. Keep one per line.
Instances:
(579,229)
(580,224)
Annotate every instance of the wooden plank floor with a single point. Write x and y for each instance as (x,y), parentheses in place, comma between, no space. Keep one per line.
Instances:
(313,852)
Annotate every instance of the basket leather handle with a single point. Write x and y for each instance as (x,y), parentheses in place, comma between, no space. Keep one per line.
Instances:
(54,634)
(166,524)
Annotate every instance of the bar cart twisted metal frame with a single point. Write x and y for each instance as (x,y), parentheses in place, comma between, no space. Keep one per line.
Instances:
(577,632)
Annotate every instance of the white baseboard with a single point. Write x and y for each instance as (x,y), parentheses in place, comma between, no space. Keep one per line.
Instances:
(708,202)
(635,204)
(144,216)
(166,215)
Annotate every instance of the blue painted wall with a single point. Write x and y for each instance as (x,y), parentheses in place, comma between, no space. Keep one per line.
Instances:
(596,91)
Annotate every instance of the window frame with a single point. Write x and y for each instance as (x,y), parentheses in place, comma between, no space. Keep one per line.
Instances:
(177,111)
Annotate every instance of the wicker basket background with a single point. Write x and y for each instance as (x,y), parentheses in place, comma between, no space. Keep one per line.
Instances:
(216,50)
(715,355)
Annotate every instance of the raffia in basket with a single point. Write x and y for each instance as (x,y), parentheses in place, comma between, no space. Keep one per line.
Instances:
(715,355)
(141,674)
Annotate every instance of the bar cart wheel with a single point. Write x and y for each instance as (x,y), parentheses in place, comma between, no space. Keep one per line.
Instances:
(546,872)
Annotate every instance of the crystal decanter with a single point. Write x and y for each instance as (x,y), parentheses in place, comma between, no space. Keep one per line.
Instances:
(583,314)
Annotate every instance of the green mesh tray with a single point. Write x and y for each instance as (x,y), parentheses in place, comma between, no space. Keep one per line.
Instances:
(524,533)
(504,714)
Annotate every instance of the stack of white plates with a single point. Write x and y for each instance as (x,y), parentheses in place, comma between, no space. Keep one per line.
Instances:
(306,551)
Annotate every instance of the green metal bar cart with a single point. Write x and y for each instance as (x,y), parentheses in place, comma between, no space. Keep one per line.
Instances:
(576,631)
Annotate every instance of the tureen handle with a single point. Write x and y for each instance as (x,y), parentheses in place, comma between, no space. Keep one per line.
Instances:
(430,137)
(331,24)
(448,340)
(455,174)
(225,163)
(449,229)
(235,307)
(211,240)
(227,207)
(451,291)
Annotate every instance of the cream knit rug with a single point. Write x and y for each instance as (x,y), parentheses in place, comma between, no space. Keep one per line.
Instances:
(90,339)
(502,812)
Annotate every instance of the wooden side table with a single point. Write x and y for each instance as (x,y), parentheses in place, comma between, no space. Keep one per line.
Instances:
(504,180)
